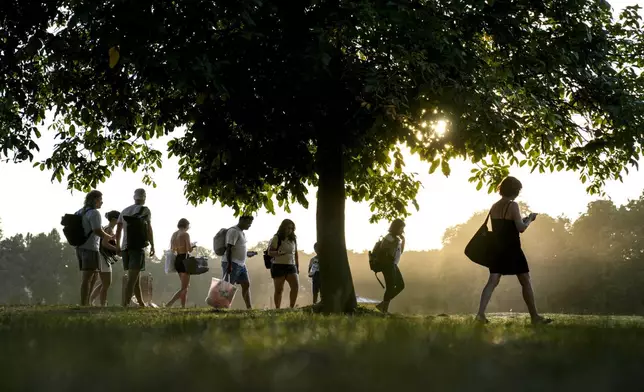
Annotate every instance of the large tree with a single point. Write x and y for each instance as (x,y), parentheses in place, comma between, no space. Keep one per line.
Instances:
(280,96)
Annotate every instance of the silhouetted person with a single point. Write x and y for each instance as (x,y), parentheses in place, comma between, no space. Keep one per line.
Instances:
(108,252)
(507,223)
(285,266)
(88,253)
(394,244)
(314,274)
(180,244)
(233,263)
(135,223)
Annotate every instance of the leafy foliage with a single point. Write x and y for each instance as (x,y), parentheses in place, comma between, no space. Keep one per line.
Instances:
(276,95)
(548,84)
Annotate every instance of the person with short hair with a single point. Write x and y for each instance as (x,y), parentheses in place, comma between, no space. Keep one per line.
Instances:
(314,274)
(507,224)
(394,242)
(134,257)
(180,244)
(108,253)
(88,253)
(233,262)
(286,264)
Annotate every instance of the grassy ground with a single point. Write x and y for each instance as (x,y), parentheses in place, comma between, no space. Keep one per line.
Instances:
(72,349)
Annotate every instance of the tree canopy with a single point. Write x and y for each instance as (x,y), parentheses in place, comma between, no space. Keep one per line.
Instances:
(276,96)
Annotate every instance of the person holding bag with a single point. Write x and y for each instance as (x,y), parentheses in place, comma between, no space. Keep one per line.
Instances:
(506,256)
(181,246)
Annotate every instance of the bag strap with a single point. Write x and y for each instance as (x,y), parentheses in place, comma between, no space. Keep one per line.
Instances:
(381,285)
(505,210)
(141,212)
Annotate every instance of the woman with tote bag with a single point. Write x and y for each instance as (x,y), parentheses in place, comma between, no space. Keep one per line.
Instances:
(503,247)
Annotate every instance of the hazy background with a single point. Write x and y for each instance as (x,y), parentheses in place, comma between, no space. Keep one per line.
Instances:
(592,265)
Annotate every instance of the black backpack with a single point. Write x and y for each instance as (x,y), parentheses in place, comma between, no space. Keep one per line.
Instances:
(73,228)
(381,257)
(268,260)
(137,229)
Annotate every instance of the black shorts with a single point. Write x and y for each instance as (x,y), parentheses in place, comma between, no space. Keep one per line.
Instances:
(282,270)
(179,264)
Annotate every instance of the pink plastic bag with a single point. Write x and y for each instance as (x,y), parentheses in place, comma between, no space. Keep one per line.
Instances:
(221,293)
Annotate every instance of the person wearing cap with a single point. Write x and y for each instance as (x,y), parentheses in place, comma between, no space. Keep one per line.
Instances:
(108,253)
(134,259)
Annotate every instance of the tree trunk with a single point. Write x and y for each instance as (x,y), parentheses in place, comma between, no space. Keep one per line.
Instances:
(338,294)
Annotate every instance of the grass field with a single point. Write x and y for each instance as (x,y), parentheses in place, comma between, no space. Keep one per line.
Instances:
(72,349)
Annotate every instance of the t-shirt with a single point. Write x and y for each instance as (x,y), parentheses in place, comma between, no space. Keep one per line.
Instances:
(131,211)
(390,239)
(236,237)
(288,247)
(91,221)
(314,265)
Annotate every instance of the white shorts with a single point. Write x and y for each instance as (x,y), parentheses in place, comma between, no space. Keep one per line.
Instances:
(104,265)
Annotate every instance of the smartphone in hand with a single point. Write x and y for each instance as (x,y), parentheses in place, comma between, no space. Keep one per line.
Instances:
(530,217)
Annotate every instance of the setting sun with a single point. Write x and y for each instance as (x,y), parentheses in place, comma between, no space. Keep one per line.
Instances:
(440,128)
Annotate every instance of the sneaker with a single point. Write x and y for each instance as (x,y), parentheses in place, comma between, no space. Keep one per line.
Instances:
(541,320)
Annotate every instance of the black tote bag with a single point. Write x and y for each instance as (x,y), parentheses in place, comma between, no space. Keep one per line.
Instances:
(482,247)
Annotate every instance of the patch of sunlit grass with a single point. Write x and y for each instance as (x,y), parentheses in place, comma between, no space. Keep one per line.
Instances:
(197,349)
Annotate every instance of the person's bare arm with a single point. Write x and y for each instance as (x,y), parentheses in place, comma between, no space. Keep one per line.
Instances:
(228,258)
(119,230)
(187,243)
(151,239)
(515,214)
(95,223)
(273,250)
(108,246)
(101,233)
(297,259)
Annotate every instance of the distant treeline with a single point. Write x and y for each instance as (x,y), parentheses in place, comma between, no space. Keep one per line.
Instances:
(592,265)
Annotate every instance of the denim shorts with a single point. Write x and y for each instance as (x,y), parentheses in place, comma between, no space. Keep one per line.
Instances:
(283,270)
(239,273)
(133,259)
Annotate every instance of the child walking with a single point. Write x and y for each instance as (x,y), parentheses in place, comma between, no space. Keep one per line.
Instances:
(314,273)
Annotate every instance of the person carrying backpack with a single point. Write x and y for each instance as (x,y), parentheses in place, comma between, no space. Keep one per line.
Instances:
(389,250)
(88,252)
(233,261)
(135,225)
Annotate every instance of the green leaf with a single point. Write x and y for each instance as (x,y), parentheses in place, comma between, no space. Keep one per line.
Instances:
(114,56)
(434,166)
(445,168)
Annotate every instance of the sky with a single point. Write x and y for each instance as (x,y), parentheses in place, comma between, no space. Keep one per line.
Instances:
(30,202)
